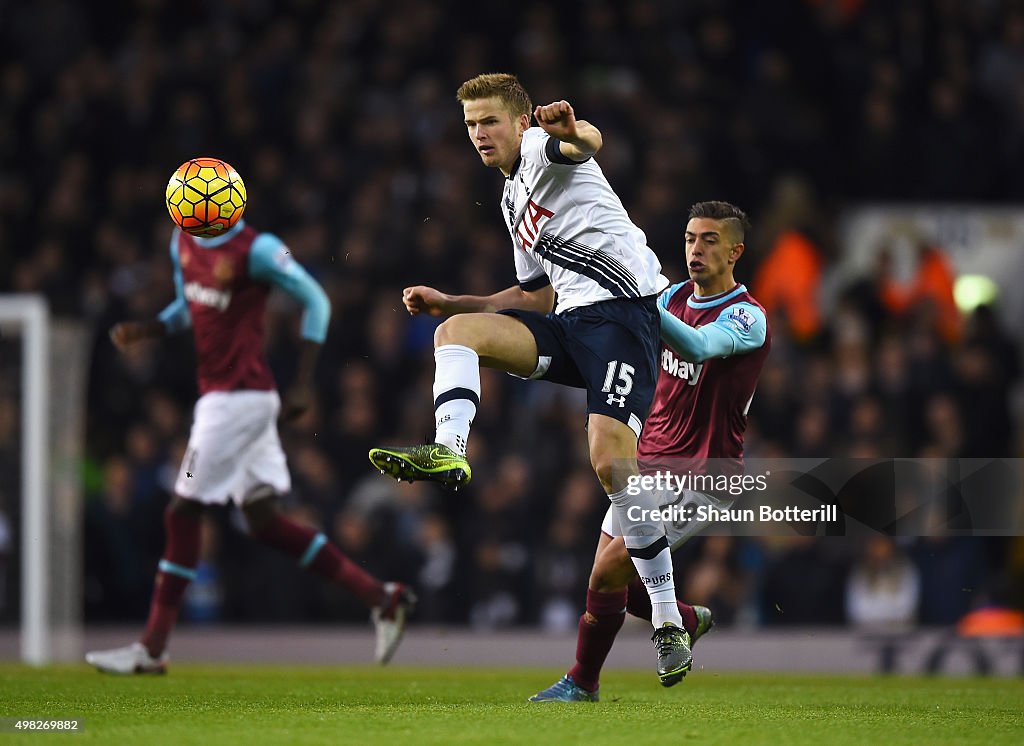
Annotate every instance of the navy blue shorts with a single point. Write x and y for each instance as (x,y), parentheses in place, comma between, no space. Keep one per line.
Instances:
(608,348)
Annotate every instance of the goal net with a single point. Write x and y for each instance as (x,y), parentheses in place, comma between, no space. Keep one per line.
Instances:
(43,370)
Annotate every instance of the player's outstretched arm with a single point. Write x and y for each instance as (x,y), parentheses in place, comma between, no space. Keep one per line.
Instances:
(422,299)
(578,138)
(270,261)
(737,330)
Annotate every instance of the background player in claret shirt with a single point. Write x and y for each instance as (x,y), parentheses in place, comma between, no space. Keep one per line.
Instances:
(234,452)
(570,236)
(715,342)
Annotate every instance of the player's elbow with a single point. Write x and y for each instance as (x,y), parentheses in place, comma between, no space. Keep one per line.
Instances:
(587,142)
(591,139)
(709,351)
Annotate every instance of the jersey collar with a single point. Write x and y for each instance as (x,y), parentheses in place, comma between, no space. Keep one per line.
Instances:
(215,241)
(715,300)
(515,167)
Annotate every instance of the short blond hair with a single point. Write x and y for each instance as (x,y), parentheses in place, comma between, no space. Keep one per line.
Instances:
(503,86)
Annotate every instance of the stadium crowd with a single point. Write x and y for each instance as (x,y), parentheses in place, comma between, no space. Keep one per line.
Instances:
(342,120)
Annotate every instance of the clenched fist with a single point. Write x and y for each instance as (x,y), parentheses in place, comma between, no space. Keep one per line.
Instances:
(128,333)
(558,120)
(423,299)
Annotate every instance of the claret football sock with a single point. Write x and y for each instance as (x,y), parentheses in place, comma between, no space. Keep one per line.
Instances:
(597,629)
(314,552)
(456,394)
(175,571)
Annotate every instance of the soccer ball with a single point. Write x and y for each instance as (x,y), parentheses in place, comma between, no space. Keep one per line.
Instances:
(205,196)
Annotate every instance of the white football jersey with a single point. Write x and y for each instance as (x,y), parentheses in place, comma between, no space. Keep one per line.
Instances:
(568,227)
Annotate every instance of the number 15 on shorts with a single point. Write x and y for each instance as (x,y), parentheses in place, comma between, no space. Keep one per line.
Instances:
(621,376)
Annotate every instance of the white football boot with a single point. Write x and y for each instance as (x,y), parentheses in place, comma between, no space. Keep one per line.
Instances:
(389,619)
(130,659)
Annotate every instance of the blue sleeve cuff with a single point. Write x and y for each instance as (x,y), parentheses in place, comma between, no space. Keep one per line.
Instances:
(176,316)
(553,150)
(271,262)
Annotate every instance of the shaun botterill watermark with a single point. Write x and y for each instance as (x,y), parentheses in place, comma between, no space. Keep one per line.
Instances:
(835,497)
(708,510)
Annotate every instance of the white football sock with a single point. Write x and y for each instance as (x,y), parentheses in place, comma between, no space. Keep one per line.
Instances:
(648,548)
(456,394)
(664,612)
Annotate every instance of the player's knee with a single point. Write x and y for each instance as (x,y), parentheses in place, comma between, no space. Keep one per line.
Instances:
(452,331)
(599,580)
(613,570)
(610,580)
(604,468)
(612,452)
(467,330)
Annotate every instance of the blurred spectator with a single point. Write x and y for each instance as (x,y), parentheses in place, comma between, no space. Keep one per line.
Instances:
(929,293)
(342,120)
(119,563)
(6,545)
(498,531)
(803,583)
(563,561)
(788,279)
(715,578)
(953,572)
(562,569)
(883,588)
(986,368)
(1015,572)
(435,581)
(10,490)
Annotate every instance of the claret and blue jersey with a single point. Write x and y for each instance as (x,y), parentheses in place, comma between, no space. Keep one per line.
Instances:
(713,350)
(221,288)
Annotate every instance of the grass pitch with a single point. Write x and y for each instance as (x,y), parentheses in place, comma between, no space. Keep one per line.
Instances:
(253,705)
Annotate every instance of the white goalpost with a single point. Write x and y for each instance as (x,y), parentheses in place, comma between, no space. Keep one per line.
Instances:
(31,314)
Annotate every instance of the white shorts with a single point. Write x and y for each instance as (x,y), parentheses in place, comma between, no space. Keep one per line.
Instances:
(233,448)
(677,532)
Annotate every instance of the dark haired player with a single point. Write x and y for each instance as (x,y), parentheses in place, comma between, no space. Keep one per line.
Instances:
(234,452)
(715,342)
